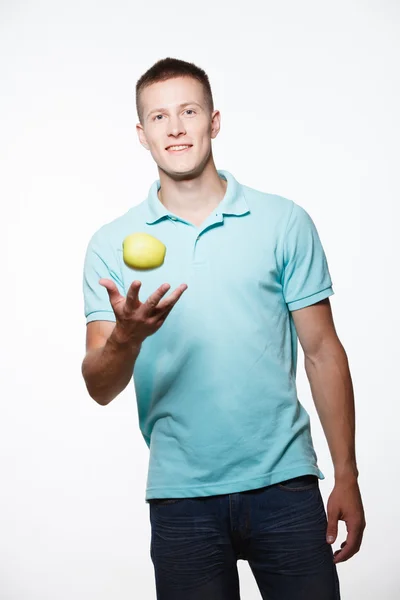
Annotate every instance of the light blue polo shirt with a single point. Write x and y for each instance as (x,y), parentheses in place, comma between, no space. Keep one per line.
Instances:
(216,384)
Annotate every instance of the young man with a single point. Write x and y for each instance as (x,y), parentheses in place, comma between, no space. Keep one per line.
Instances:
(232,472)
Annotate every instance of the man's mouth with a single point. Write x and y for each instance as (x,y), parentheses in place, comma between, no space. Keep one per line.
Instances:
(178,149)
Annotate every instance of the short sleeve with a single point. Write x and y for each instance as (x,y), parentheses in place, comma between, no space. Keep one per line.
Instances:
(305,278)
(100,262)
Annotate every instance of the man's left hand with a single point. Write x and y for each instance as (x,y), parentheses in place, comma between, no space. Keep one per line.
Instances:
(345,504)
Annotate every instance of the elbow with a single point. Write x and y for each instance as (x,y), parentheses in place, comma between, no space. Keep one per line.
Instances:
(93,393)
(326,351)
(98,398)
(101,400)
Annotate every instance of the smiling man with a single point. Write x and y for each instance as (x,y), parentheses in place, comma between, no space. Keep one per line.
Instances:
(233,473)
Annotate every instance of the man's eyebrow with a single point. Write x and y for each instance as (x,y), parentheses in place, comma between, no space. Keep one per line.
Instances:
(179,106)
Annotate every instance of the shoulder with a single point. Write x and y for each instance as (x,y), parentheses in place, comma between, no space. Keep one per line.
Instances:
(274,209)
(276,206)
(111,234)
(267,201)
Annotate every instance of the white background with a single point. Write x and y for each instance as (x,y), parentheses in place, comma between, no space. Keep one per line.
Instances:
(309,96)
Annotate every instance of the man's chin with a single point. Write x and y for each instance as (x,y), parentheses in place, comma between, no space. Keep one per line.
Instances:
(180,173)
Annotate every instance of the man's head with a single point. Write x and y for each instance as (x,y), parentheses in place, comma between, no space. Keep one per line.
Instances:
(175,107)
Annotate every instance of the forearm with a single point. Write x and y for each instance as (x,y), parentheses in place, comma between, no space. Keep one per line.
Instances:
(332,391)
(108,370)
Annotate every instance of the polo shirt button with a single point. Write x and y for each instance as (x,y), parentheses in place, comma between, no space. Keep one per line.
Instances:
(173,218)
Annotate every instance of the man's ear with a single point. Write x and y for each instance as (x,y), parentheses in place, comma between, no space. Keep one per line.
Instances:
(215,123)
(141,136)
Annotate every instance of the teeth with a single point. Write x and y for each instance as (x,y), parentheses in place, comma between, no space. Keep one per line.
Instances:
(177,147)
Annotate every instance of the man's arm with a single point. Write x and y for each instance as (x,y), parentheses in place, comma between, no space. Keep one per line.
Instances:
(328,372)
(112,348)
(109,362)
(331,386)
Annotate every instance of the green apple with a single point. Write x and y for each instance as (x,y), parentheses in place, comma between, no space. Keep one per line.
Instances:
(143,251)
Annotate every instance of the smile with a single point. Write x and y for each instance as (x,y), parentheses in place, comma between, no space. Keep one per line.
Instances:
(178,149)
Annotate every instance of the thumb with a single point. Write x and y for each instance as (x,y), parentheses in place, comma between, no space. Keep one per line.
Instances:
(332,529)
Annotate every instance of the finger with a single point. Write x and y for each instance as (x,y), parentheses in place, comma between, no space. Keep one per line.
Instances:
(341,547)
(132,297)
(172,299)
(162,315)
(351,546)
(332,528)
(112,290)
(153,300)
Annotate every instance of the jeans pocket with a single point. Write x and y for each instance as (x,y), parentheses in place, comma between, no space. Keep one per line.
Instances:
(164,501)
(299,484)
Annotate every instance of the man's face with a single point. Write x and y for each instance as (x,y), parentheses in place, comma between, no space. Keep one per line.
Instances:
(175,114)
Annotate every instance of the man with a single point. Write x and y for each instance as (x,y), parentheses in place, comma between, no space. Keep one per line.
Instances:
(232,472)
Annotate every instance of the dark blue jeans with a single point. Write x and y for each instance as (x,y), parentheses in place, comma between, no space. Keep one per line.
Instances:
(279,529)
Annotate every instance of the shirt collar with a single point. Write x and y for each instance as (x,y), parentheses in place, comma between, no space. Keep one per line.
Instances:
(233,202)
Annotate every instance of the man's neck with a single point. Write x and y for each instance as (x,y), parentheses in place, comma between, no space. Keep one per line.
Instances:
(193,199)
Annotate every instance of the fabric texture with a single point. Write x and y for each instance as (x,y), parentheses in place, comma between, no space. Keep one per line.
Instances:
(216,384)
(280,530)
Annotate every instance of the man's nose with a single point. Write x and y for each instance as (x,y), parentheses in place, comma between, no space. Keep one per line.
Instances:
(175,126)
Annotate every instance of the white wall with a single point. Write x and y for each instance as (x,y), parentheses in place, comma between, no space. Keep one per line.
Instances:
(309,95)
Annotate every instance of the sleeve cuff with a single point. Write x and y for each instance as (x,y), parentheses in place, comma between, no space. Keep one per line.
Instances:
(100,315)
(309,300)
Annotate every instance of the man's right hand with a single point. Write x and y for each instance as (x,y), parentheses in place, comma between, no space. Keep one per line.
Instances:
(135,320)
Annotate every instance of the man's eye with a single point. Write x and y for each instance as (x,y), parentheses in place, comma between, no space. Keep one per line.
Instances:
(156,117)
(190,110)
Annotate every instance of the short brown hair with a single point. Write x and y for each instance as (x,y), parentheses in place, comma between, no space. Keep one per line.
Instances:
(169,68)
